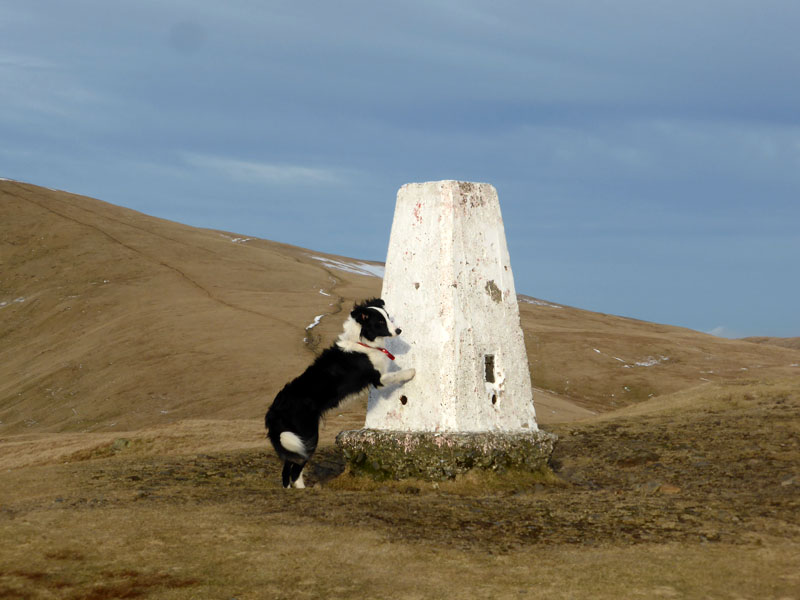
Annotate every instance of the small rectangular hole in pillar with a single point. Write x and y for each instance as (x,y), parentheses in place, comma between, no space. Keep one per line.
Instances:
(488,363)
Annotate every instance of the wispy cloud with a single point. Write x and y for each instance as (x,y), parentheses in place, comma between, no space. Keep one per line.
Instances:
(34,87)
(724,331)
(24,62)
(270,173)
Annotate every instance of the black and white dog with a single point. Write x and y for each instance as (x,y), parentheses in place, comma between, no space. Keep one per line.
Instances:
(347,368)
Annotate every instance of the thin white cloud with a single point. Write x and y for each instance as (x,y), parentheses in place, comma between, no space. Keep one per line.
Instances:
(18,61)
(723,331)
(270,173)
(36,87)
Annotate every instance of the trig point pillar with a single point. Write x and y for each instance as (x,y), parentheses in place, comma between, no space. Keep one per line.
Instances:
(449,286)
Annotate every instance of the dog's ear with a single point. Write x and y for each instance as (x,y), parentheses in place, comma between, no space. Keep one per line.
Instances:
(377,302)
(360,314)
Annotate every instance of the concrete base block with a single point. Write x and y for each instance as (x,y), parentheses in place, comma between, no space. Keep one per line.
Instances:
(434,456)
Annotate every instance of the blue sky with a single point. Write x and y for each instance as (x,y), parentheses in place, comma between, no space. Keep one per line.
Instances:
(646,153)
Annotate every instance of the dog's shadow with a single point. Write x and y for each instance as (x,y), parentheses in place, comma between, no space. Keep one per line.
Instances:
(327,464)
(400,348)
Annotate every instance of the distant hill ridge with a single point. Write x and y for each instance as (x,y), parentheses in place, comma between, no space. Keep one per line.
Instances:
(783,342)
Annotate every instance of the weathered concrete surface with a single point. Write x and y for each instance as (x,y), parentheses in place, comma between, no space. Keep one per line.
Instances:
(441,455)
(449,286)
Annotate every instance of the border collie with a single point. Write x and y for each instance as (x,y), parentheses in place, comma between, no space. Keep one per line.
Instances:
(347,368)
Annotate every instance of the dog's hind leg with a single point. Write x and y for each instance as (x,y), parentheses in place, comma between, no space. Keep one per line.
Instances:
(286,474)
(292,474)
(297,475)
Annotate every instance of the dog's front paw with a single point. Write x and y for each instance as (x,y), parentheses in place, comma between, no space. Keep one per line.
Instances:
(398,377)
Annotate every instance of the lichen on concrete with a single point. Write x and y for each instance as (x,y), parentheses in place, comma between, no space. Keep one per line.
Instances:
(383,454)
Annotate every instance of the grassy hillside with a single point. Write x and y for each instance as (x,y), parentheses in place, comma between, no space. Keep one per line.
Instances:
(112,320)
(793,343)
(606,362)
(115,320)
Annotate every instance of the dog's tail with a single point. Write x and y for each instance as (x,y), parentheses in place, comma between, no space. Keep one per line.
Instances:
(293,443)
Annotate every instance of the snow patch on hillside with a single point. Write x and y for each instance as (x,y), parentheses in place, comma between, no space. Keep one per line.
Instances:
(236,240)
(535,302)
(19,300)
(311,326)
(317,319)
(650,361)
(357,267)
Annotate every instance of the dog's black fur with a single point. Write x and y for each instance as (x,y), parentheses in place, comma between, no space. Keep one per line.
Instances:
(348,367)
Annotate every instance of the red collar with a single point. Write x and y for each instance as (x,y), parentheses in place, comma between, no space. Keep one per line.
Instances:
(384,350)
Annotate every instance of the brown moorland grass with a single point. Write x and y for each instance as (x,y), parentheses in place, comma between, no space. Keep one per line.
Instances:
(793,343)
(698,499)
(137,357)
(112,320)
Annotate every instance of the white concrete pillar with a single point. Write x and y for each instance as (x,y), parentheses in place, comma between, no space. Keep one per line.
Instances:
(449,286)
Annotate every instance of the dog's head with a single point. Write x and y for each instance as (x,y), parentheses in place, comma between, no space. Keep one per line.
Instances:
(374,321)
